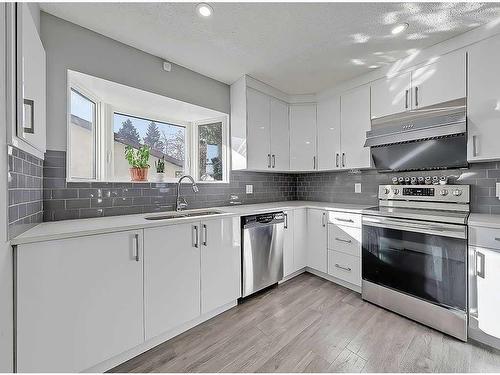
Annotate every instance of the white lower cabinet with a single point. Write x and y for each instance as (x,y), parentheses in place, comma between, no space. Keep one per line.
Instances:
(220,262)
(294,246)
(79,301)
(288,244)
(345,267)
(171,277)
(317,239)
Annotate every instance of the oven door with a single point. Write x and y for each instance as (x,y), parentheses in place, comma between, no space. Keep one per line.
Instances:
(423,259)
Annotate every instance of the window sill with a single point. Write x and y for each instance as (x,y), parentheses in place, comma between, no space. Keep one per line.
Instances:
(166,181)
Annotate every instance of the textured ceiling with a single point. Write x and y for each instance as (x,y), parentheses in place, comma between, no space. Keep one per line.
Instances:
(298,48)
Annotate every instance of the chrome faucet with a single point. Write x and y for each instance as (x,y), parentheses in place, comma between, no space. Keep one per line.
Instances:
(181,203)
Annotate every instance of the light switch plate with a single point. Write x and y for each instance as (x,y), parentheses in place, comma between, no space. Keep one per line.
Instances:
(249,189)
(498,190)
(357,188)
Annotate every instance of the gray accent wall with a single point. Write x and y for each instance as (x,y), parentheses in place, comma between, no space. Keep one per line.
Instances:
(73,200)
(339,186)
(69,46)
(25,191)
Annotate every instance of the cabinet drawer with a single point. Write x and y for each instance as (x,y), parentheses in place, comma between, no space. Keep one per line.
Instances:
(345,267)
(344,239)
(485,237)
(344,218)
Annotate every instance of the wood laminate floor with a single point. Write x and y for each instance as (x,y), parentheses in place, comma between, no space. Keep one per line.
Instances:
(312,325)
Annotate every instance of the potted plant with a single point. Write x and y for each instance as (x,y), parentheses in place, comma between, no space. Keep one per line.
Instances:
(160,169)
(138,160)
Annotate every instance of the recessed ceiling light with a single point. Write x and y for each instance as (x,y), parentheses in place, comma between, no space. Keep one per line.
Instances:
(204,10)
(399,28)
(373,66)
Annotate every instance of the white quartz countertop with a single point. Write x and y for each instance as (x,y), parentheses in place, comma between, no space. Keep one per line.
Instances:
(84,227)
(484,220)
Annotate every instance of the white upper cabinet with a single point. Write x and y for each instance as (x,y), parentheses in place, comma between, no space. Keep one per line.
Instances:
(329,134)
(280,136)
(79,301)
(391,95)
(355,120)
(483,101)
(303,137)
(259,130)
(439,82)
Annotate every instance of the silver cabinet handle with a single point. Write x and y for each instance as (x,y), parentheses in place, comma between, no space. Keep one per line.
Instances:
(286,221)
(416,96)
(195,235)
(474,145)
(269,160)
(406,98)
(314,162)
(205,235)
(323,219)
(337,159)
(480,261)
(274,160)
(343,268)
(344,220)
(342,240)
(136,238)
(343,159)
(497,238)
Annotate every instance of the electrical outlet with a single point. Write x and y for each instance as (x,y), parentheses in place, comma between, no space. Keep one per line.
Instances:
(357,188)
(498,190)
(249,189)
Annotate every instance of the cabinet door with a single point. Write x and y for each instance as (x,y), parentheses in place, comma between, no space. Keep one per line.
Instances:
(317,240)
(220,262)
(390,95)
(258,131)
(329,134)
(288,244)
(483,101)
(171,277)
(303,137)
(355,120)
(79,301)
(299,239)
(439,82)
(280,136)
(485,299)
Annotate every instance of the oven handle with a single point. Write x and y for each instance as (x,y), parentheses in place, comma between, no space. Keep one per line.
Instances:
(445,230)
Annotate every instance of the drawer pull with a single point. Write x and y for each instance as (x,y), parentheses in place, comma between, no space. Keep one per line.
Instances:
(342,240)
(343,268)
(344,220)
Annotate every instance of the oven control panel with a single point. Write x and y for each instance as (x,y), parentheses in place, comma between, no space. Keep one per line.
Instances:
(435,193)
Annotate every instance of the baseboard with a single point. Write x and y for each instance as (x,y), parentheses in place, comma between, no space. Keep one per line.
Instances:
(479,336)
(292,275)
(151,343)
(333,279)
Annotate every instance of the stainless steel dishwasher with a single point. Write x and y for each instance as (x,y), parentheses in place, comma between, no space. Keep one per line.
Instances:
(262,251)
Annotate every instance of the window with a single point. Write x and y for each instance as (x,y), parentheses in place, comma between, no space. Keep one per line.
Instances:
(167,141)
(82,136)
(210,154)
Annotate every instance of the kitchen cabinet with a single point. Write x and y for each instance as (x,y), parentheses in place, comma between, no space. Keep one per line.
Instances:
(171,277)
(483,101)
(79,301)
(280,136)
(329,128)
(355,120)
(299,239)
(317,239)
(443,80)
(288,244)
(303,137)
(259,130)
(391,95)
(220,262)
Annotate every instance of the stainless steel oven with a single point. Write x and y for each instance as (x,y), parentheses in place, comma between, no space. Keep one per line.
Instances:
(414,260)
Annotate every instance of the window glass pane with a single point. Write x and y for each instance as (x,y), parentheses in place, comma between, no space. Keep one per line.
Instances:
(166,141)
(82,136)
(210,152)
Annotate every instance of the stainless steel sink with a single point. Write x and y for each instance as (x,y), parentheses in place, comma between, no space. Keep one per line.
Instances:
(178,215)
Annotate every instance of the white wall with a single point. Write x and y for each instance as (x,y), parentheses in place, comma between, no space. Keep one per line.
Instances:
(69,46)
(6,296)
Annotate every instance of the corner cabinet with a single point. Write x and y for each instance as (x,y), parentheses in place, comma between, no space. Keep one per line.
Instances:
(303,137)
(483,101)
(329,128)
(79,301)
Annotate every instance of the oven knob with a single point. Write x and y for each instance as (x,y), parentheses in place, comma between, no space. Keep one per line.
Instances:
(396,191)
(444,192)
(457,192)
(387,190)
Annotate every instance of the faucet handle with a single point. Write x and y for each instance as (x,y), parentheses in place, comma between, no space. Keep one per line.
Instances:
(181,203)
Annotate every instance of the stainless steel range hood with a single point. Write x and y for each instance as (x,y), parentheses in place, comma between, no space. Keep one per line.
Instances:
(431,138)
